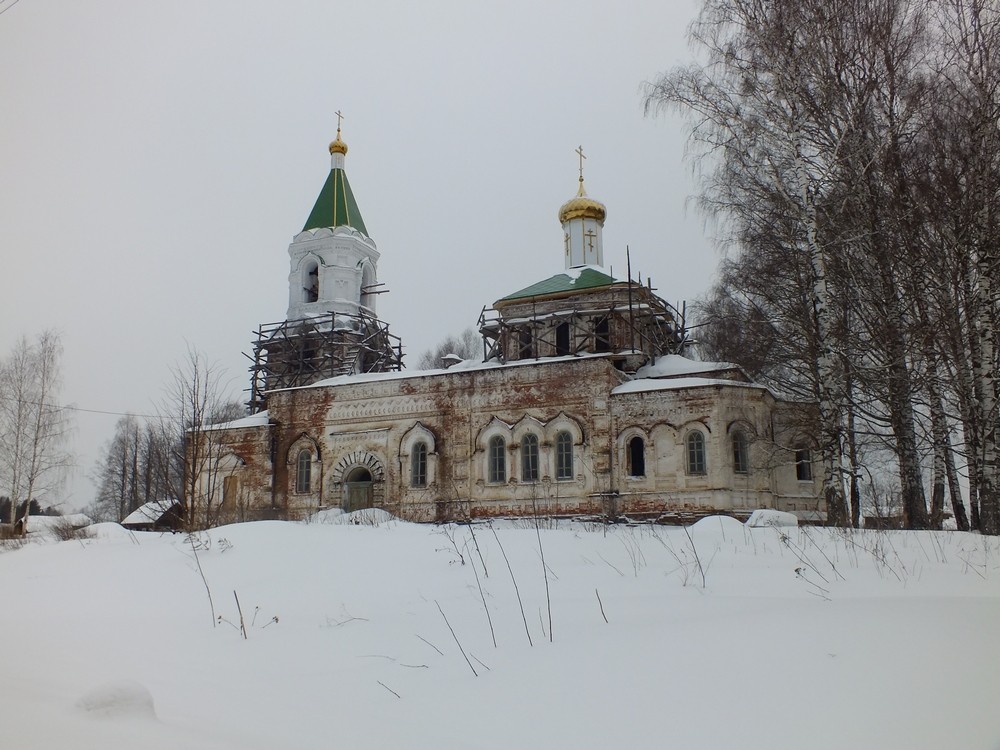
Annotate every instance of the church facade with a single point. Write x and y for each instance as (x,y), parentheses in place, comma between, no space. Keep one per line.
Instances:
(583,404)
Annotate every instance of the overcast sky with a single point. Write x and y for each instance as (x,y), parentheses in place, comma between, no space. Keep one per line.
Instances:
(157,158)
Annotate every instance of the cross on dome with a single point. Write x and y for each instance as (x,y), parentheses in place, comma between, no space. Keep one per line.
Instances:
(338,146)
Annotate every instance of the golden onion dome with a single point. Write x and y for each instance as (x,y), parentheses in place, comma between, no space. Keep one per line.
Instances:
(338,146)
(582,207)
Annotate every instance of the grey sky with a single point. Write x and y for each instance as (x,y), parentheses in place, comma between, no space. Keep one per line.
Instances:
(157,159)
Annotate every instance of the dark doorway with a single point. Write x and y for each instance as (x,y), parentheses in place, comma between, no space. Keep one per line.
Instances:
(358,490)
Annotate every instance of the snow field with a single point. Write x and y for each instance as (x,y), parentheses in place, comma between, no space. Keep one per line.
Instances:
(800,637)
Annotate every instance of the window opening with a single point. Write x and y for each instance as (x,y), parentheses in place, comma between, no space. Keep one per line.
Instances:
(803,464)
(602,335)
(303,473)
(418,465)
(636,457)
(497,460)
(529,458)
(741,453)
(696,453)
(562,339)
(564,456)
(525,344)
(312,283)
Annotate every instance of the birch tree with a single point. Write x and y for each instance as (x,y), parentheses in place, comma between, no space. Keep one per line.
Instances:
(859,138)
(970,76)
(33,425)
(763,107)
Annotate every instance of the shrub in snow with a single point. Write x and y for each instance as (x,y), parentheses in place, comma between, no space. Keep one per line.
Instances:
(125,699)
(365,517)
(775,518)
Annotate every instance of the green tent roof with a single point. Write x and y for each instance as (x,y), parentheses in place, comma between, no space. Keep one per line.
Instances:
(572,281)
(336,206)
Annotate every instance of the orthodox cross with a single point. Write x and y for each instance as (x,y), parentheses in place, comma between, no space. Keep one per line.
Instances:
(339,118)
(589,234)
(579,151)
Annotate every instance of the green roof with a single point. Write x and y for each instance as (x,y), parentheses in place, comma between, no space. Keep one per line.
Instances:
(336,206)
(572,281)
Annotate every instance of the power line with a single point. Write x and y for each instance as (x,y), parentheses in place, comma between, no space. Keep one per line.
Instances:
(88,411)
(9,7)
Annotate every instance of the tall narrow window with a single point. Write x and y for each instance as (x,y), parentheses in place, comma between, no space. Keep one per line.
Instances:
(803,464)
(741,453)
(562,339)
(564,455)
(497,459)
(602,335)
(525,344)
(312,283)
(696,453)
(529,458)
(418,465)
(636,457)
(303,472)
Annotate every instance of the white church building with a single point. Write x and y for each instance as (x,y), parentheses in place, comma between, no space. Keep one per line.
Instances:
(583,403)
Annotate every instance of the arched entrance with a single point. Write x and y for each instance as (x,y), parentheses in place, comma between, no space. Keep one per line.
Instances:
(357,489)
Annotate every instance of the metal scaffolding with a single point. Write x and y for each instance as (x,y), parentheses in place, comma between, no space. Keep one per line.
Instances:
(301,352)
(628,318)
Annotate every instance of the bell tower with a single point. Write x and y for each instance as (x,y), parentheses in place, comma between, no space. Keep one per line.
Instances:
(333,261)
(330,328)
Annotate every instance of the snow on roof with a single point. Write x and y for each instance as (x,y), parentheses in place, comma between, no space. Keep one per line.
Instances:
(466,365)
(44,524)
(148,513)
(670,384)
(574,273)
(672,365)
(254,420)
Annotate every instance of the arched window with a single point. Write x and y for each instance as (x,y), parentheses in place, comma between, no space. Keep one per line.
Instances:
(418,465)
(564,455)
(696,453)
(741,453)
(497,459)
(529,458)
(311,285)
(803,464)
(303,472)
(636,457)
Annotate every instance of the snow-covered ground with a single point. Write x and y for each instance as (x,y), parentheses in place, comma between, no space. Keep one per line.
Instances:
(732,637)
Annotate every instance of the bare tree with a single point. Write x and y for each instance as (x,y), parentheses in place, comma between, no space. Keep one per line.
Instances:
(851,151)
(33,425)
(135,467)
(196,398)
(467,345)
(765,107)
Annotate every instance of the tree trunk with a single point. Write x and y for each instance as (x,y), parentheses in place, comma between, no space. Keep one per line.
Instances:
(828,382)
